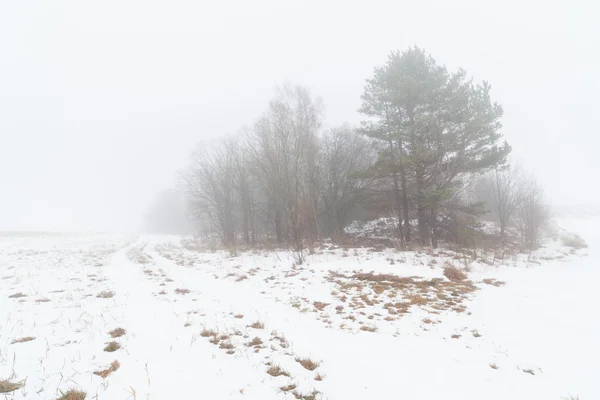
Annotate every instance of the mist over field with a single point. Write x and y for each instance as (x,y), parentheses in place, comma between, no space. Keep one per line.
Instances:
(299,200)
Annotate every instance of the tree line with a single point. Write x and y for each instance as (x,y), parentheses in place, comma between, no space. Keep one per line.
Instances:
(428,140)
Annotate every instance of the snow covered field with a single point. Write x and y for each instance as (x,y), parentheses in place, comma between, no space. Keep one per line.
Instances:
(254,325)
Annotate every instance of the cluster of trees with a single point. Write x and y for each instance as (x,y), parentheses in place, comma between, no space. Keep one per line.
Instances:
(428,135)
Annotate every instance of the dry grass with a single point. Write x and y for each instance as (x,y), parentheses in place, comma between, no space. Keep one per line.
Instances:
(117,332)
(182,291)
(208,333)
(454,274)
(319,377)
(529,371)
(319,305)
(106,294)
(277,371)
(23,339)
(255,342)
(239,316)
(105,373)
(310,396)
(368,328)
(494,282)
(307,363)
(72,395)
(257,325)
(17,295)
(287,388)
(112,346)
(8,385)
(226,345)
(455,336)
(494,366)
(241,278)
(43,300)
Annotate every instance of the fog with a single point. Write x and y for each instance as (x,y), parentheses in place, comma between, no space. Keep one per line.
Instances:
(101,104)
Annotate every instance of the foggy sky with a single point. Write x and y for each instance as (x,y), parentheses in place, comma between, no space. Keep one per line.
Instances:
(102,102)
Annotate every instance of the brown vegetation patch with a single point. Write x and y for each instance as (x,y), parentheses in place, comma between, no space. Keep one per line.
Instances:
(182,291)
(239,316)
(72,395)
(368,328)
(277,371)
(112,346)
(17,295)
(310,396)
(494,282)
(8,385)
(43,300)
(23,339)
(287,388)
(257,325)
(307,363)
(208,333)
(117,332)
(105,294)
(454,274)
(319,305)
(255,342)
(106,372)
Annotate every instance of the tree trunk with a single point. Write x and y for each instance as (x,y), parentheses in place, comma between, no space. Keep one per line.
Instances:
(405,204)
(421,210)
(396,189)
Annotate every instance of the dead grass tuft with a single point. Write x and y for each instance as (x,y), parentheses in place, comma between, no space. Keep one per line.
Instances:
(105,373)
(319,305)
(182,291)
(72,395)
(287,388)
(494,282)
(112,346)
(208,333)
(319,377)
(529,371)
(239,316)
(277,371)
(307,363)
(255,342)
(494,366)
(17,295)
(43,300)
(368,328)
(257,325)
(310,396)
(226,345)
(23,339)
(454,274)
(106,294)
(8,385)
(117,332)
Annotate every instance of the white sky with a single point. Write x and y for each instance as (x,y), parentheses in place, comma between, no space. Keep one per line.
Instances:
(101,102)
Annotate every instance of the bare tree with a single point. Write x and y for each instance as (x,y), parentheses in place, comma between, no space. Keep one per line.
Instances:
(210,185)
(344,154)
(532,213)
(506,191)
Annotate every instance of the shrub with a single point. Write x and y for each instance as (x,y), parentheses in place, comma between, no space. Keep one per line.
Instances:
(454,274)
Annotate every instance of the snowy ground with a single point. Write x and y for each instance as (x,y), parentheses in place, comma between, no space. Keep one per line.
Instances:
(257,326)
